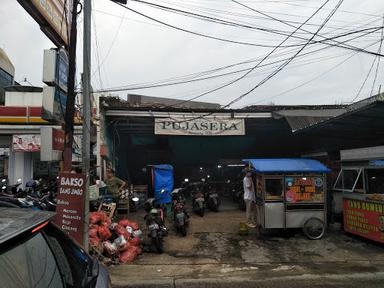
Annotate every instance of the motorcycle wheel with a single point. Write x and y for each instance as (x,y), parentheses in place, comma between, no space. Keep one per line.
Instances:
(158,244)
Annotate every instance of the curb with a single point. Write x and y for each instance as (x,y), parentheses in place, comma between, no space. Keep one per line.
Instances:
(306,280)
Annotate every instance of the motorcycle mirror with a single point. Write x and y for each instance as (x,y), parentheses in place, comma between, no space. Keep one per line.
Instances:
(135,199)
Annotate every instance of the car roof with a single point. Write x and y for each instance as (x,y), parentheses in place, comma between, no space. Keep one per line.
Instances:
(14,221)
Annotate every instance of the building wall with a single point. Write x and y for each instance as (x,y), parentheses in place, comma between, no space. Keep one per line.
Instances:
(7,73)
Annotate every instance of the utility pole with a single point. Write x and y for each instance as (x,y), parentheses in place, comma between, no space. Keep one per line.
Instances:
(86,111)
(70,106)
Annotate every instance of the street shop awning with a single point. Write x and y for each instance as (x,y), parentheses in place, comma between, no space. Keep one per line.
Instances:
(283,165)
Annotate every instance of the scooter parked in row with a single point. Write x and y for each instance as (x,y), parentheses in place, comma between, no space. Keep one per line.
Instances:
(213,200)
(155,225)
(198,202)
(180,214)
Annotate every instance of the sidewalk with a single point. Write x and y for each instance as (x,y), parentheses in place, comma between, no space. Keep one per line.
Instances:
(214,253)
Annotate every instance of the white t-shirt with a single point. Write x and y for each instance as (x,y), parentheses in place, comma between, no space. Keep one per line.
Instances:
(249,189)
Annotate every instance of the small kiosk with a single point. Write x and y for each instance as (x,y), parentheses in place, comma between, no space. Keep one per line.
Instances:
(290,193)
(361,181)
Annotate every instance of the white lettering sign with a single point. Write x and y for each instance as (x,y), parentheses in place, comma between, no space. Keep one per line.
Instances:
(199,126)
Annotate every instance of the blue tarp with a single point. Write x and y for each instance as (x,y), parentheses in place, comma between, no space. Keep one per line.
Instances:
(163,183)
(298,165)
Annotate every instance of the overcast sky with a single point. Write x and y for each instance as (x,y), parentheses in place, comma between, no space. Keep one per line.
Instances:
(131,49)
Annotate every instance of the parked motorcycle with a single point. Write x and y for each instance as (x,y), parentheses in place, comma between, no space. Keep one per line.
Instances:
(198,203)
(213,200)
(155,225)
(180,215)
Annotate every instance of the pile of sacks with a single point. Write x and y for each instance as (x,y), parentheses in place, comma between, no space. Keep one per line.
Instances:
(116,241)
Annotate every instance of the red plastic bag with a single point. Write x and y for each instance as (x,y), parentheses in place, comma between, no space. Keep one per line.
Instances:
(135,241)
(94,241)
(127,222)
(120,230)
(93,232)
(124,222)
(125,247)
(104,233)
(106,221)
(128,255)
(109,248)
(95,218)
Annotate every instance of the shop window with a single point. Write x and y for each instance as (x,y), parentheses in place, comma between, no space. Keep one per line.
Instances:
(375,181)
(274,189)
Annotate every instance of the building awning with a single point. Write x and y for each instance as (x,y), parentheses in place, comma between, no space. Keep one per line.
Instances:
(287,165)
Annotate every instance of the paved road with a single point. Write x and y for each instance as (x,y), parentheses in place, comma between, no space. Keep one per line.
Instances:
(214,255)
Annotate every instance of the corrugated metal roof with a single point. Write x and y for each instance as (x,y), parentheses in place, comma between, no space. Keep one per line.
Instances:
(366,114)
(283,165)
(299,119)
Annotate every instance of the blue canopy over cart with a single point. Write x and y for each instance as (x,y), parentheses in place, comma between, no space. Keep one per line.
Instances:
(290,193)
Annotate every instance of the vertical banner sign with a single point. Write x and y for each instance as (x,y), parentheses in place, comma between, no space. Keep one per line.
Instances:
(364,218)
(70,205)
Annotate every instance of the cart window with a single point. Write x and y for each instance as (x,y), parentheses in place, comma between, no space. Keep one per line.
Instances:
(359,187)
(304,189)
(347,180)
(375,179)
(274,189)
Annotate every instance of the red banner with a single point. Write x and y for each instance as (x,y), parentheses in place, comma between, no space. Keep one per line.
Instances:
(70,205)
(58,139)
(364,218)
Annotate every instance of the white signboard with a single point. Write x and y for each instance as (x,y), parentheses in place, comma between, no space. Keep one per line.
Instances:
(199,126)
(26,143)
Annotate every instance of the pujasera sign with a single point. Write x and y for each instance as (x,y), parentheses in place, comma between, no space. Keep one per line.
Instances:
(196,126)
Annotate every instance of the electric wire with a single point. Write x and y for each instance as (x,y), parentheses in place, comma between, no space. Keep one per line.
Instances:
(166,82)
(378,62)
(315,78)
(281,67)
(292,58)
(230,23)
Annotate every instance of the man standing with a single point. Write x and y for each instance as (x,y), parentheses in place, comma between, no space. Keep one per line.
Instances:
(249,199)
(114,185)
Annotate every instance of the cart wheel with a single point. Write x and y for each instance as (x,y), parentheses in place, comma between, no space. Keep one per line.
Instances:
(314,228)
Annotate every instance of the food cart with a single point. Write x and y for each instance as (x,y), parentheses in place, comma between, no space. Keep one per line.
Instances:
(362,185)
(290,193)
